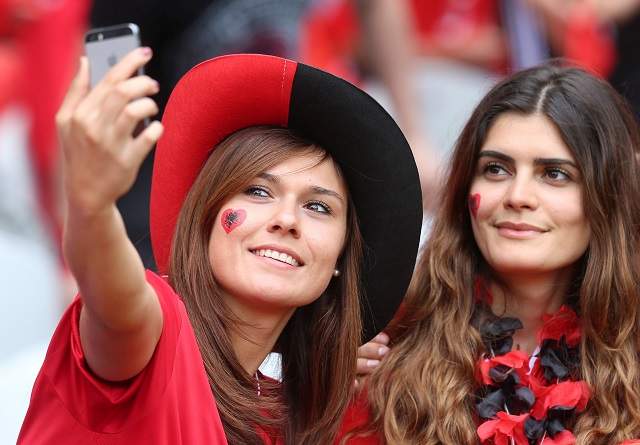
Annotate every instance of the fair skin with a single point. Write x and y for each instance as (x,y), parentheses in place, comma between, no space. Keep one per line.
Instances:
(529,224)
(121,319)
(297,213)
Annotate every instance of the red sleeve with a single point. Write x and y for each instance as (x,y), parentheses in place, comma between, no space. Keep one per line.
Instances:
(108,406)
(357,416)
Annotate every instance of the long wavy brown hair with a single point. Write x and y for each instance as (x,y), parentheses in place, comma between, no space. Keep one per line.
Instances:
(423,393)
(318,345)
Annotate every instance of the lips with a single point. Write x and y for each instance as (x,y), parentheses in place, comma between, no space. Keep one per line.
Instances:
(513,230)
(522,227)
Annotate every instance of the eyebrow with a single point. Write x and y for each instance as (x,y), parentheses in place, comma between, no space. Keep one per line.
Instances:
(314,188)
(536,161)
(323,191)
(269,178)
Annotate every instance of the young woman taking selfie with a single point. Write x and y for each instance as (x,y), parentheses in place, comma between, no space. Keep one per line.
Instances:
(276,218)
(523,325)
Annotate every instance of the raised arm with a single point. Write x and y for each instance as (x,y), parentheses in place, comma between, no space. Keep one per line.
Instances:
(121,319)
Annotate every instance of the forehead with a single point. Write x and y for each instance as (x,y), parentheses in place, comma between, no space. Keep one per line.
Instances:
(309,169)
(526,136)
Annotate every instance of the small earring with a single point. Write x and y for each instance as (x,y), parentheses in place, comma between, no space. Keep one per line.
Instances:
(336,273)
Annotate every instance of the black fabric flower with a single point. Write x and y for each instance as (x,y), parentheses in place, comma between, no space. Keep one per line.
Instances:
(558,361)
(553,424)
(497,334)
(507,392)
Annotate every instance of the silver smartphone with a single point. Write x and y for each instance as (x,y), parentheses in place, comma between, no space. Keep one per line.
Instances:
(104,47)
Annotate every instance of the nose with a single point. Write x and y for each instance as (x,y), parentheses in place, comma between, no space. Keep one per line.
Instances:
(521,194)
(285,220)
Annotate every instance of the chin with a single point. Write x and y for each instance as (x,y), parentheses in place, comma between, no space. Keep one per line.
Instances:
(519,266)
(278,296)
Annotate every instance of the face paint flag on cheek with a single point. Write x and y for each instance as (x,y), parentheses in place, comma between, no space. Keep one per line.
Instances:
(474,204)
(232,218)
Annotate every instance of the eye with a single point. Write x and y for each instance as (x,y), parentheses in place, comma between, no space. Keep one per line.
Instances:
(318,207)
(495,169)
(257,191)
(557,174)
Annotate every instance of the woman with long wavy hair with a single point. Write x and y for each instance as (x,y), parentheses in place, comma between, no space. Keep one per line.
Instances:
(273,204)
(522,325)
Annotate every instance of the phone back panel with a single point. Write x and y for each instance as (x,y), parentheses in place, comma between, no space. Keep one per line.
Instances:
(103,54)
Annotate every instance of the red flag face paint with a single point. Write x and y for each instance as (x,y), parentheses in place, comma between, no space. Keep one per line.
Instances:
(474,204)
(232,218)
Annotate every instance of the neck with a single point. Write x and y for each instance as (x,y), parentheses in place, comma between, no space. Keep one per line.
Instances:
(256,332)
(529,297)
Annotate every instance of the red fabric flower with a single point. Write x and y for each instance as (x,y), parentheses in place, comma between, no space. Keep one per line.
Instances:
(564,322)
(562,438)
(504,428)
(566,394)
(517,360)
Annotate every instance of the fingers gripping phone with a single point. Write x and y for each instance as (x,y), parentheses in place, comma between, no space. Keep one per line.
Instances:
(105,47)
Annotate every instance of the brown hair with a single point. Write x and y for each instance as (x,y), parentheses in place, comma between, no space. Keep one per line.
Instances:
(319,343)
(423,391)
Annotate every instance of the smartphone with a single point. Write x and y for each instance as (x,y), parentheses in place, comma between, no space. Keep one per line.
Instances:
(104,47)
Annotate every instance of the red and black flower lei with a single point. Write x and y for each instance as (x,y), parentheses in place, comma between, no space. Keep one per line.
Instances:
(517,405)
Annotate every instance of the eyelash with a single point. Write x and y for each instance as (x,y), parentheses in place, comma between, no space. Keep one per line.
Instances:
(546,171)
(252,191)
(327,209)
(493,164)
(558,170)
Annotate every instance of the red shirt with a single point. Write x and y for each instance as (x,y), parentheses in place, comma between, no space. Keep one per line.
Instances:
(168,403)
(357,416)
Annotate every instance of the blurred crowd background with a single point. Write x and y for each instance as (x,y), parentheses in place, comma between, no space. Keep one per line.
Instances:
(427,61)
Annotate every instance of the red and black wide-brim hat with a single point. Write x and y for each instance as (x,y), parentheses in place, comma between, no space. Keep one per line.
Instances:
(223,95)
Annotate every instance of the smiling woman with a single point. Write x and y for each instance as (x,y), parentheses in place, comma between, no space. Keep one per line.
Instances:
(298,226)
(274,216)
(522,326)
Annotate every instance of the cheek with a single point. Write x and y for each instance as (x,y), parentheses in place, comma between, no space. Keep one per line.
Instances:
(232,218)
(485,199)
(326,246)
(474,204)
(572,219)
(219,242)
(229,228)
(566,210)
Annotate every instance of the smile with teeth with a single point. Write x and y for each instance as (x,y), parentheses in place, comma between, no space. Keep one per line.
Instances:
(278,256)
